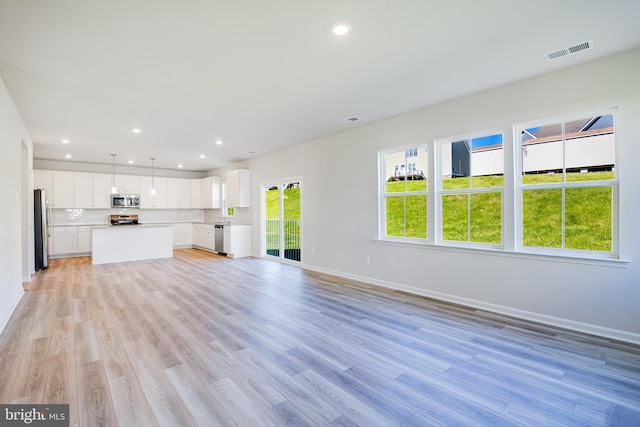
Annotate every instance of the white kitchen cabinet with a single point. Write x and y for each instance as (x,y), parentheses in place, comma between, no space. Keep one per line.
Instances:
(178,193)
(101,191)
(182,235)
(187,239)
(83,190)
(43,180)
(64,241)
(195,199)
(84,240)
(216,192)
(237,240)
(128,184)
(63,190)
(238,188)
(197,235)
(157,201)
(211,193)
(205,192)
(80,190)
(203,236)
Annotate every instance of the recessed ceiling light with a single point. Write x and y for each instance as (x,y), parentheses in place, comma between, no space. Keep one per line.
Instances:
(68,156)
(136,130)
(218,142)
(202,156)
(180,166)
(340,29)
(130,162)
(65,141)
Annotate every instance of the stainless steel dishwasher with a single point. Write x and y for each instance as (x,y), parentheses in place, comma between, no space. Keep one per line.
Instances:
(219,238)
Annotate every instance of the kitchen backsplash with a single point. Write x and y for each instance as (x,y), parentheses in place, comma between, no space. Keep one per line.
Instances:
(102,216)
(241,216)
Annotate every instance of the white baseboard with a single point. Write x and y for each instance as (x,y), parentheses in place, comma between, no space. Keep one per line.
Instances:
(6,318)
(601,331)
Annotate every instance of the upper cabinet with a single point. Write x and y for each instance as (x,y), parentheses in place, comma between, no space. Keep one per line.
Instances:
(238,188)
(210,193)
(43,180)
(195,191)
(84,190)
(158,200)
(178,193)
(127,184)
(63,190)
(92,190)
(101,191)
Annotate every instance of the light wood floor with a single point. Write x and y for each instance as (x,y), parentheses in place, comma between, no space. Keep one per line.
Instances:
(204,340)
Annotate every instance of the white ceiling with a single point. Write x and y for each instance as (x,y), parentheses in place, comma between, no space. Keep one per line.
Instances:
(262,76)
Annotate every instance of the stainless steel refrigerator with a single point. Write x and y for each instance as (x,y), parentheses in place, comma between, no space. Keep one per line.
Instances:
(41,228)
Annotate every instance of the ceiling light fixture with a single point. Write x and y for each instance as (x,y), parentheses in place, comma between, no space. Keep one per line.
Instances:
(340,29)
(136,130)
(114,190)
(130,162)
(218,142)
(180,166)
(65,141)
(202,156)
(153,181)
(68,156)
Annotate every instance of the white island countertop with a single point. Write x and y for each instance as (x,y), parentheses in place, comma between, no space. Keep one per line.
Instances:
(131,243)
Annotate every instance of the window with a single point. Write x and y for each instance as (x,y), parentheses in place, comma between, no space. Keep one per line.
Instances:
(567,184)
(404,192)
(470,189)
(561,184)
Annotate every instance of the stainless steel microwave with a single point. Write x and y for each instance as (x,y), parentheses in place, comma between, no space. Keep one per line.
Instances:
(125,201)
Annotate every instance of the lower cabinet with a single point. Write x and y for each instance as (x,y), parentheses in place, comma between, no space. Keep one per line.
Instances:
(182,235)
(63,241)
(84,240)
(69,241)
(237,240)
(204,236)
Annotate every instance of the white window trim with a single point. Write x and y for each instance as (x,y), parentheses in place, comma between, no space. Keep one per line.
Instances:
(511,202)
(519,188)
(438,192)
(382,194)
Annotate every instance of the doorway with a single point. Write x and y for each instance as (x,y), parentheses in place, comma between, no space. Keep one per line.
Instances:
(283,220)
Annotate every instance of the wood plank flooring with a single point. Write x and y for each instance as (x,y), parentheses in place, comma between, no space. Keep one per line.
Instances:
(201,340)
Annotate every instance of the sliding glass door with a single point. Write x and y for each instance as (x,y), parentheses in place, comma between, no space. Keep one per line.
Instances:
(282,220)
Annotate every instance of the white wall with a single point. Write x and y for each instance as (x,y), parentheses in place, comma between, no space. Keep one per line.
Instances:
(340,204)
(12,135)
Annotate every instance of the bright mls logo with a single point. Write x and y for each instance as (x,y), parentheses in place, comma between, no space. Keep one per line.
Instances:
(34,415)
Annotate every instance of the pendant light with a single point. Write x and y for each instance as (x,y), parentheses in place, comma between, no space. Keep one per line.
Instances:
(114,190)
(153,183)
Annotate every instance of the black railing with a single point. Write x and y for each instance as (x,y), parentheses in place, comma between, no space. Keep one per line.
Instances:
(291,230)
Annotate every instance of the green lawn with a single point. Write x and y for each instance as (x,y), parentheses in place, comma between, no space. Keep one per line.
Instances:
(291,199)
(477,217)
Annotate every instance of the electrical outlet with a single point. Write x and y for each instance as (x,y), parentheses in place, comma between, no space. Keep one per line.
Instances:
(313,251)
(367,259)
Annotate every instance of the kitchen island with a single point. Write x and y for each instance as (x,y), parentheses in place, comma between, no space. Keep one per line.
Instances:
(121,243)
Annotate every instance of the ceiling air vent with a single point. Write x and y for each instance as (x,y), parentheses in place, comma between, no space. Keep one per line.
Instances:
(348,120)
(569,50)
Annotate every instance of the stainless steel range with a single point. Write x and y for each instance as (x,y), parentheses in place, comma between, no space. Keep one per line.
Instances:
(124,219)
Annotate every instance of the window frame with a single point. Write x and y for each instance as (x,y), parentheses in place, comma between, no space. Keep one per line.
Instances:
(439,192)
(520,188)
(384,195)
(511,198)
